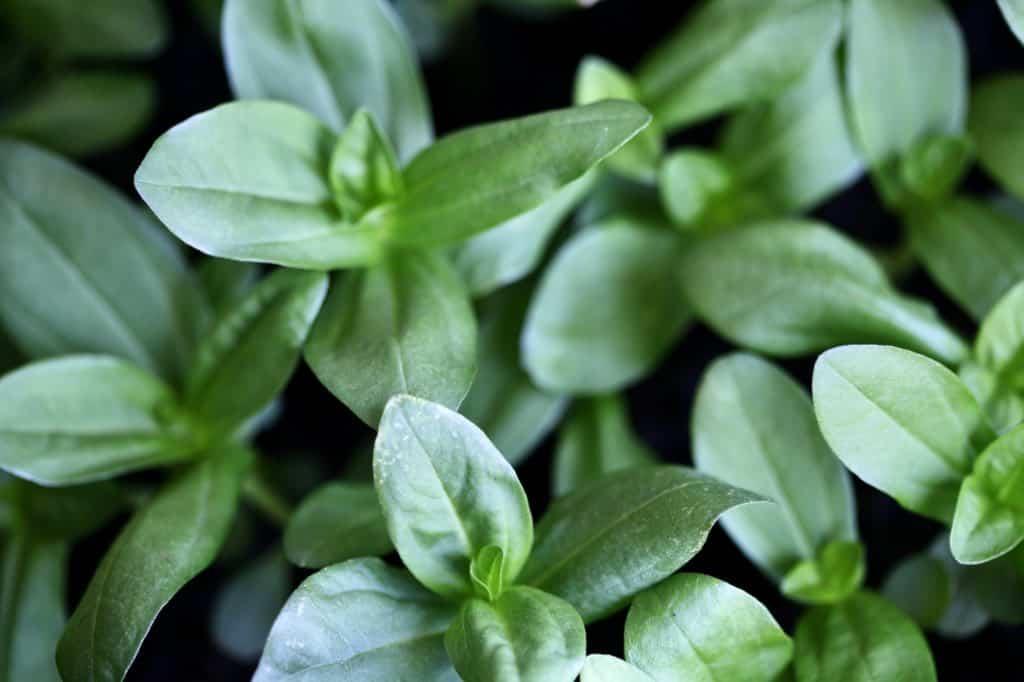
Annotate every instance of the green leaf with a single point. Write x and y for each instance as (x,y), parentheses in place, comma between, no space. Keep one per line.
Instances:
(901,422)
(596,440)
(67,513)
(1013,10)
(974,252)
(754,427)
(447,493)
(695,188)
(998,131)
(433,24)
(503,402)
(795,287)
(247,604)
(82,112)
(693,626)
(480,177)
(862,639)
(597,555)
(601,668)
(731,52)
(62,291)
(964,617)
(606,311)
(251,352)
(597,80)
(99,29)
(360,621)
(330,59)
(933,167)
(487,571)
(84,418)
(248,181)
(364,172)
(226,282)
(999,346)
(32,612)
(336,522)
(508,253)
(404,326)
(525,636)
(999,586)
(795,150)
(167,543)
(922,587)
(989,518)
(834,574)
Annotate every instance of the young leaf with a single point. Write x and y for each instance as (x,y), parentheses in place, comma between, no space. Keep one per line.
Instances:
(731,52)
(795,287)
(360,621)
(447,493)
(695,187)
(248,181)
(246,606)
(525,636)
(601,668)
(933,166)
(330,59)
(503,402)
(754,427)
(795,150)
(99,29)
(834,574)
(1013,10)
(597,555)
(83,418)
(901,422)
(478,178)
(998,131)
(88,273)
(596,440)
(167,543)
(82,112)
(364,172)
(32,610)
(892,104)
(249,355)
(511,251)
(989,519)
(336,522)
(693,626)
(404,326)
(607,309)
(862,639)
(974,252)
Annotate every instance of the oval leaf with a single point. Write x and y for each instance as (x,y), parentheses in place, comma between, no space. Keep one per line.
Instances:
(336,522)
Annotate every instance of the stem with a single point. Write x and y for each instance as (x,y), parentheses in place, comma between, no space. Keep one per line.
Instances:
(262,497)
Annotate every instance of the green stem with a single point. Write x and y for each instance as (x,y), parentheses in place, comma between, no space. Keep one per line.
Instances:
(262,497)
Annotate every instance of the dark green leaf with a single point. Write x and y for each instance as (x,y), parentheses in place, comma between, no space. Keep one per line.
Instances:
(226,282)
(998,130)
(247,605)
(68,513)
(922,587)
(98,29)
(336,522)
(999,586)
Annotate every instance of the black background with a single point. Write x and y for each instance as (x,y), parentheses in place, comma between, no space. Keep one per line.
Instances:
(506,66)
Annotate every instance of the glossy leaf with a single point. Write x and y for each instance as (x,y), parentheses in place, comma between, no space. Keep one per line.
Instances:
(731,52)
(480,177)
(251,352)
(248,181)
(447,493)
(524,636)
(602,668)
(989,519)
(795,287)
(835,573)
(246,606)
(503,402)
(607,309)
(31,607)
(795,150)
(693,626)
(364,172)
(62,292)
(754,427)
(511,251)
(974,252)
(330,59)
(336,522)
(596,440)
(82,112)
(362,621)
(901,422)
(998,131)
(893,104)
(99,29)
(597,555)
(166,544)
(404,326)
(1013,10)
(863,639)
(83,418)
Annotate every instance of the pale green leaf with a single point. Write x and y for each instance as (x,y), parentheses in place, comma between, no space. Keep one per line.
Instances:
(1013,10)
(336,522)
(247,604)
(695,187)
(364,172)
(601,668)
